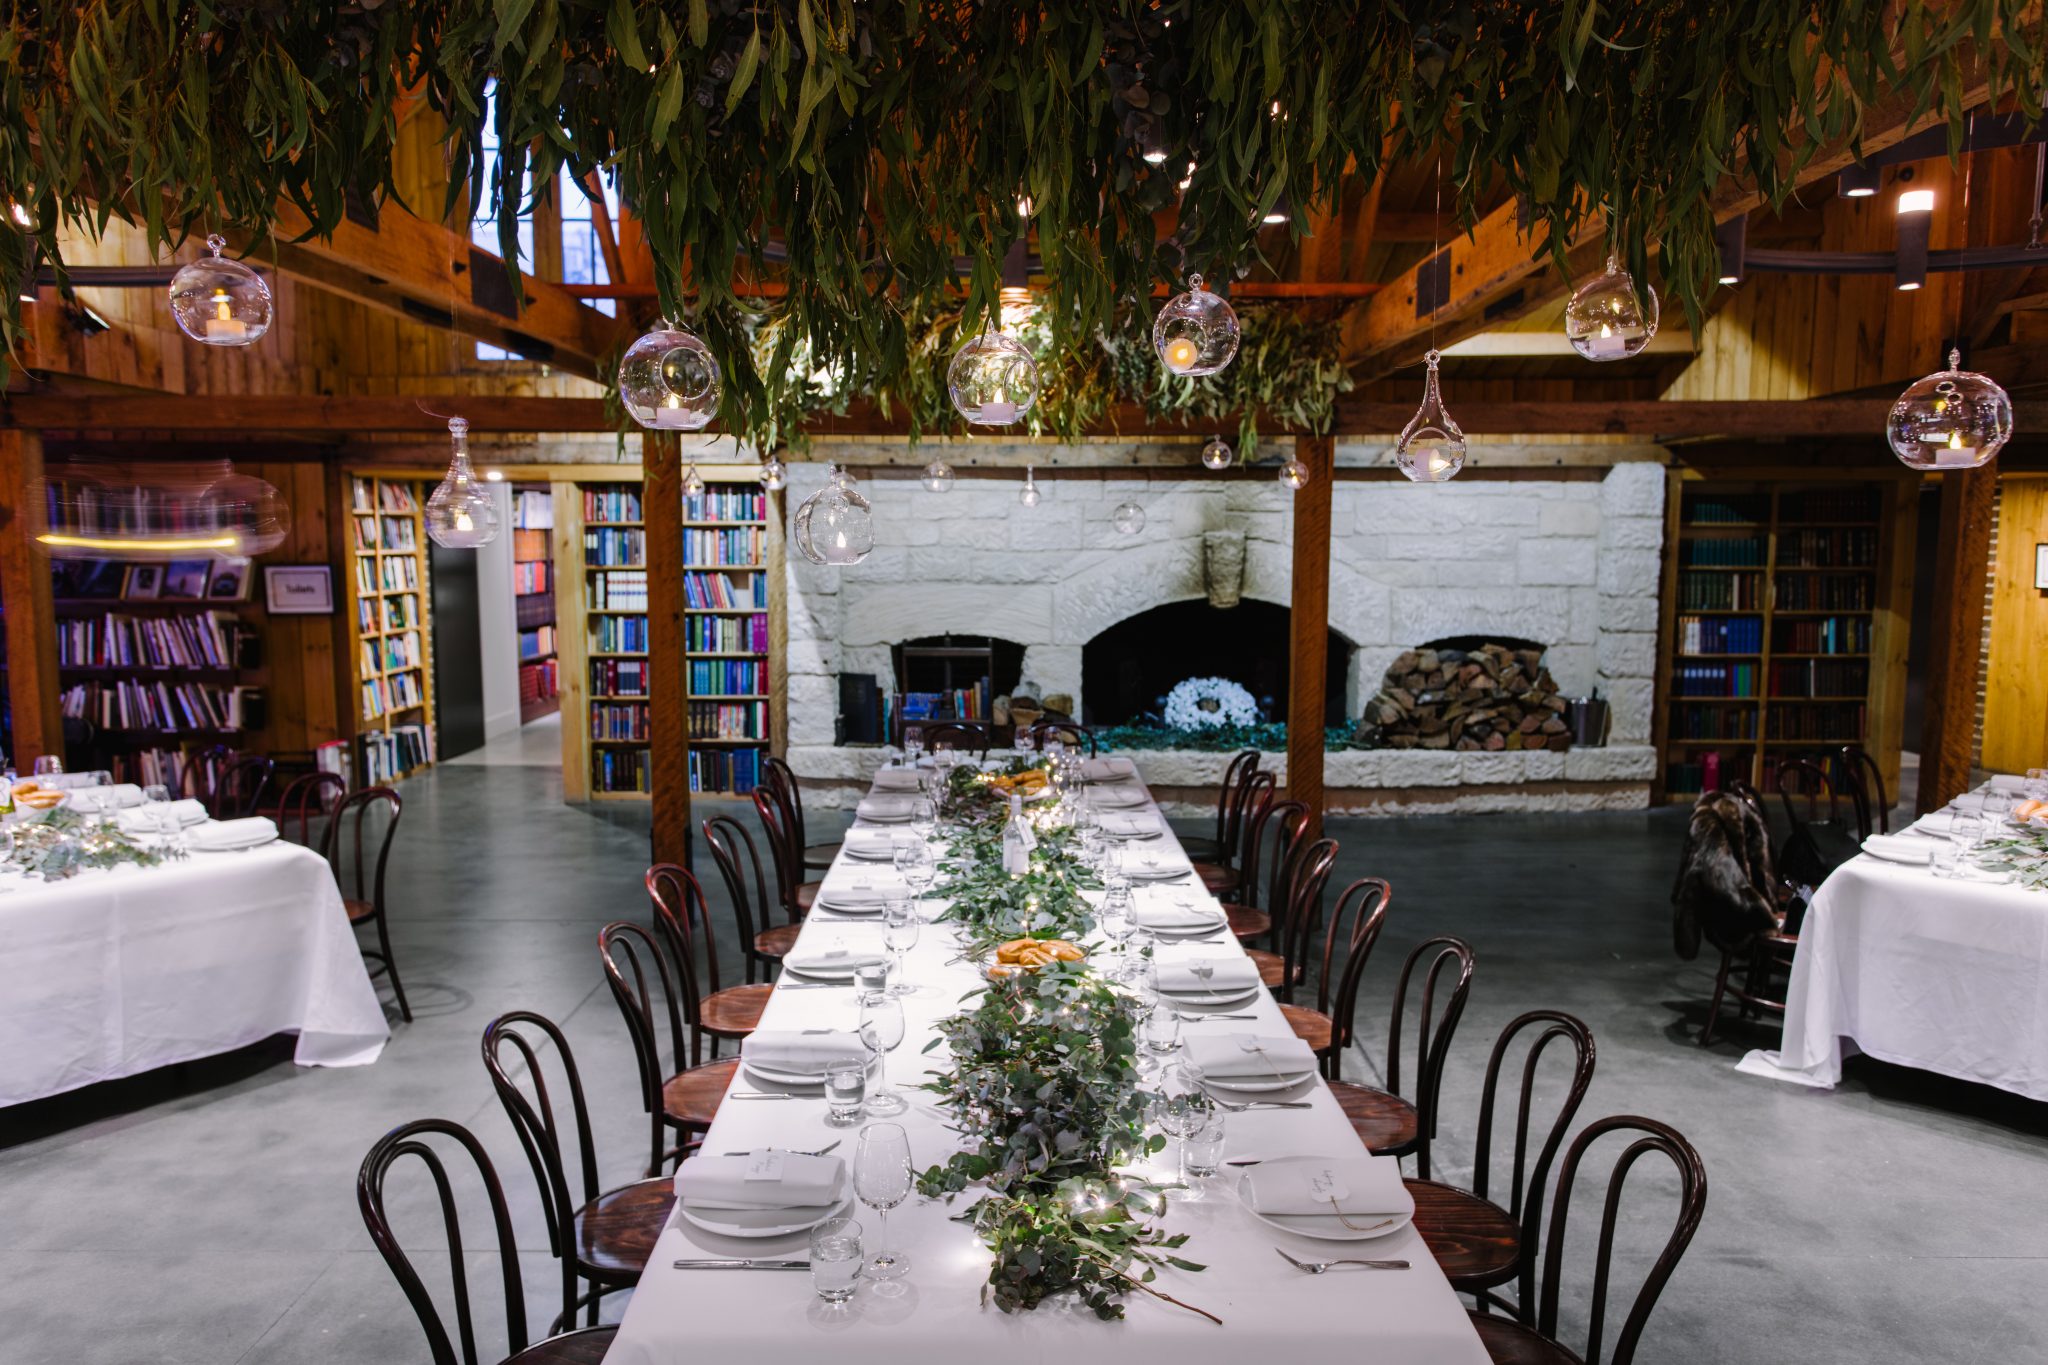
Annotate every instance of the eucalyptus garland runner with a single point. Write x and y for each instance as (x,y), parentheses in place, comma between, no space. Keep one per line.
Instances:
(2021,852)
(61,843)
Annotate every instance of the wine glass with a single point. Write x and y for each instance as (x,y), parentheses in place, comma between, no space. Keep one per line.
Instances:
(1965,831)
(881,1177)
(48,765)
(924,817)
(913,745)
(1022,741)
(899,935)
(881,1030)
(1184,1109)
(156,803)
(1114,919)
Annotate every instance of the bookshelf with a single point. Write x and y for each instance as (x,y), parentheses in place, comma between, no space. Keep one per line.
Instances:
(726,634)
(390,604)
(1784,636)
(533,601)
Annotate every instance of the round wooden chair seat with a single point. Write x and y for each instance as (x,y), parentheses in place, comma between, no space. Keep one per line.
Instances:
(1474,1240)
(1311,1026)
(1386,1124)
(821,855)
(615,1232)
(1507,1342)
(690,1099)
(358,911)
(1272,967)
(586,1347)
(778,941)
(736,1011)
(1217,880)
(1246,922)
(1202,850)
(807,895)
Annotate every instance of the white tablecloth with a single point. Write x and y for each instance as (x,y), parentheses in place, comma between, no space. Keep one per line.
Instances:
(1944,975)
(112,973)
(767,1318)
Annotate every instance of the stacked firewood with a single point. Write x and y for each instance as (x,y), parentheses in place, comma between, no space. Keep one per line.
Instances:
(1490,699)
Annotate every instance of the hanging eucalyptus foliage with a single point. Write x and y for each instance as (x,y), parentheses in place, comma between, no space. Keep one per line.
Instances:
(873,156)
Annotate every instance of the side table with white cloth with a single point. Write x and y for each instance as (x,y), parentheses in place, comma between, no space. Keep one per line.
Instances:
(1941,973)
(115,972)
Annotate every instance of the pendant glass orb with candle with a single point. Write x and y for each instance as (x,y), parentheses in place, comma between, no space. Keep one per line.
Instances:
(937,476)
(774,475)
(461,513)
(693,482)
(1431,448)
(219,301)
(1294,475)
(1954,419)
(670,381)
(835,525)
(1216,454)
(1606,320)
(1128,518)
(1028,495)
(993,380)
(1195,333)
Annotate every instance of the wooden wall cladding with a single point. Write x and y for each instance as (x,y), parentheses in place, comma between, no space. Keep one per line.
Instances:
(2016,681)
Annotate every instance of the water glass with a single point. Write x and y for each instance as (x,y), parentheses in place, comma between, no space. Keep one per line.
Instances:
(1160,1033)
(836,1259)
(48,765)
(881,1177)
(913,746)
(1203,1148)
(871,978)
(846,1091)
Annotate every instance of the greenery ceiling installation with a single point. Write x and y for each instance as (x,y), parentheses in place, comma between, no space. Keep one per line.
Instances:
(873,155)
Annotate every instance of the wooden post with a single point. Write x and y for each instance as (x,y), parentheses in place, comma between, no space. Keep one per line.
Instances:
(668,692)
(1948,735)
(1309,628)
(30,617)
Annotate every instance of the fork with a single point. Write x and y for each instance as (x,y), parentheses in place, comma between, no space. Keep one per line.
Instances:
(820,1152)
(1238,1107)
(1321,1267)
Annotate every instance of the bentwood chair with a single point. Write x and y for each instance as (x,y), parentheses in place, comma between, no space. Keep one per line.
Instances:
(1745,973)
(1530,1338)
(1354,928)
(309,799)
(1222,879)
(1478,1243)
(239,786)
(965,736)
(739,863)
(780,780)
(1865,781)
(785,854)
(365,820)
(684,1099)
(1070,733)
(1268,837)
(1818,813)
(1296,916)
(602,1236)
(1228,817)
(1386,1122)
(585,1347)
(684,918)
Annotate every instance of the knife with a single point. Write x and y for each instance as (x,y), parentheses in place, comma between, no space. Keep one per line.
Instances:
(743,1265)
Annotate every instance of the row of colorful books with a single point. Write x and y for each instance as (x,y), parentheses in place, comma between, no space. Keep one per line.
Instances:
(205,639)
(134,704)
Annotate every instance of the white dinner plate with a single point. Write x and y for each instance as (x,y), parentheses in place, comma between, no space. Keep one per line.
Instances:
(862,908)
(1324,1227)
(1114,797)
(819,970)
(1215,998)
(761,1222)
(809,1080)
(1238,1085)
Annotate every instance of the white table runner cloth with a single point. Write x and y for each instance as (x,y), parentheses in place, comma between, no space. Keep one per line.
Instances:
(1267,1307)
(112,973)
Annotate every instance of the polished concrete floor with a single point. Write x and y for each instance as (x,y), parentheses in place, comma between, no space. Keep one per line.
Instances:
(208,1214)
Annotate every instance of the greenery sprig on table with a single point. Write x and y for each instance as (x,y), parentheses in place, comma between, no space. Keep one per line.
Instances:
(62,842)
(2023,853)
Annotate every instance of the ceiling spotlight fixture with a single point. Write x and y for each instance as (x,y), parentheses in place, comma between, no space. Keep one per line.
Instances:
(1732,240)
(1915,220)
(1281,212)
(1858,180)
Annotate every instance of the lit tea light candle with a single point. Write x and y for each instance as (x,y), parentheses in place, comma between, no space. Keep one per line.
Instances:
(998,412)
(224,325)
(1609,342)
(1951,448)
(670,416)
(1181,355)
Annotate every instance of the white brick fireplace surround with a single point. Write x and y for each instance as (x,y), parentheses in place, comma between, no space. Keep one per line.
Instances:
(1571,563)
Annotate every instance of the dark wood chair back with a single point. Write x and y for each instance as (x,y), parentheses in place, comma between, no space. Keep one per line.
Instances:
(684,919)
(239,787)
(522,1089)
(965,736)
(1298,912)
(1754,799)
(1526,1184)
(1808,794)
(785,854)
(411,1139)
(1240,767)
(1865,781)
(1072,734)
(739,863)
(1259,793)
(643,982)
(1652,1136)
(780,780)
(1440,1005)
(358,842)
(311,797)
(1269,837)
(1347,946)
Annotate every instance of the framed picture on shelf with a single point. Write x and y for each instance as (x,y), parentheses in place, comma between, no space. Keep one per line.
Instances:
(298,589)
(145,581)
(229,581)
(186,578)
(87,578)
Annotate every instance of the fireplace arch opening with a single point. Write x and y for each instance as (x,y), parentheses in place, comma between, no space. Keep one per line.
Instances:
(1127,670)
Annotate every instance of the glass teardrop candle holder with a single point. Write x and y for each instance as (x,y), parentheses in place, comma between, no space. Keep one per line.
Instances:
(1431,448)
(1128,518)
(670,381)
(1217,454)
(937,477)
(461,513)
(774,475)
(1953,419)
(993,380)
(219,301)
(835,525)
(1606,319)
(1196,333)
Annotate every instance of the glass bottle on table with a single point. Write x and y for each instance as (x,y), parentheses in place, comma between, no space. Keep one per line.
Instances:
(1018,839)
(882,1180)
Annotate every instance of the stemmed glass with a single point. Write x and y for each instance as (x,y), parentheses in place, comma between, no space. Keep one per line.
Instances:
(156,800)
(899,935)
(1022,742)
(1114,919)
(924,817)
(1965,831)
(49,765)
(881,1177)
(1183,1110)
(881,1030)
(913,746)
(918,868)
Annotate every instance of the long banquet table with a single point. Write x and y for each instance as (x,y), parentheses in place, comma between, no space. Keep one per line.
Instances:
(112,973)
(1947,975)
(1266,1305)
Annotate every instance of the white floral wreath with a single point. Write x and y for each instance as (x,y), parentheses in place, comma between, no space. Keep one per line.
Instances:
(1209,703)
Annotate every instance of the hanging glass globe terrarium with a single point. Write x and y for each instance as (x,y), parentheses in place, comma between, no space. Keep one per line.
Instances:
(461,513)
(219,301)
(1196,332)
(1294,475)
(774,475)
(693,482)
(937,476)
(670,381)
(1431,448)
(1217,454)
(1028,495)
(1953,419)
(835,525)
(993,380)
(1606,319)
(1128,518)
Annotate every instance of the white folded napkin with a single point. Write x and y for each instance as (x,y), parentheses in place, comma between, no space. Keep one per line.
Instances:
(1249,1057)
(228,834)
(1225,975)
(1363,1185)
(1107,769)
(801,1053)
(2007,784)
(1170,916)
(1129,824)
(864,889)
(761,1180)
(834,961)
(1156,865)
(1899,848)
(1117,798)
(885,809)
(1977,803)
(122,795)
(1937,823)
(899,780)
(872,845)
(141,822)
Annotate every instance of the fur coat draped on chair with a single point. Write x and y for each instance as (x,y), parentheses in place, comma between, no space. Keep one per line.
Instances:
(1726,889)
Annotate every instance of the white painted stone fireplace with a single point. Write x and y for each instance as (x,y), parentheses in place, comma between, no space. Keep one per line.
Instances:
(1571,562)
